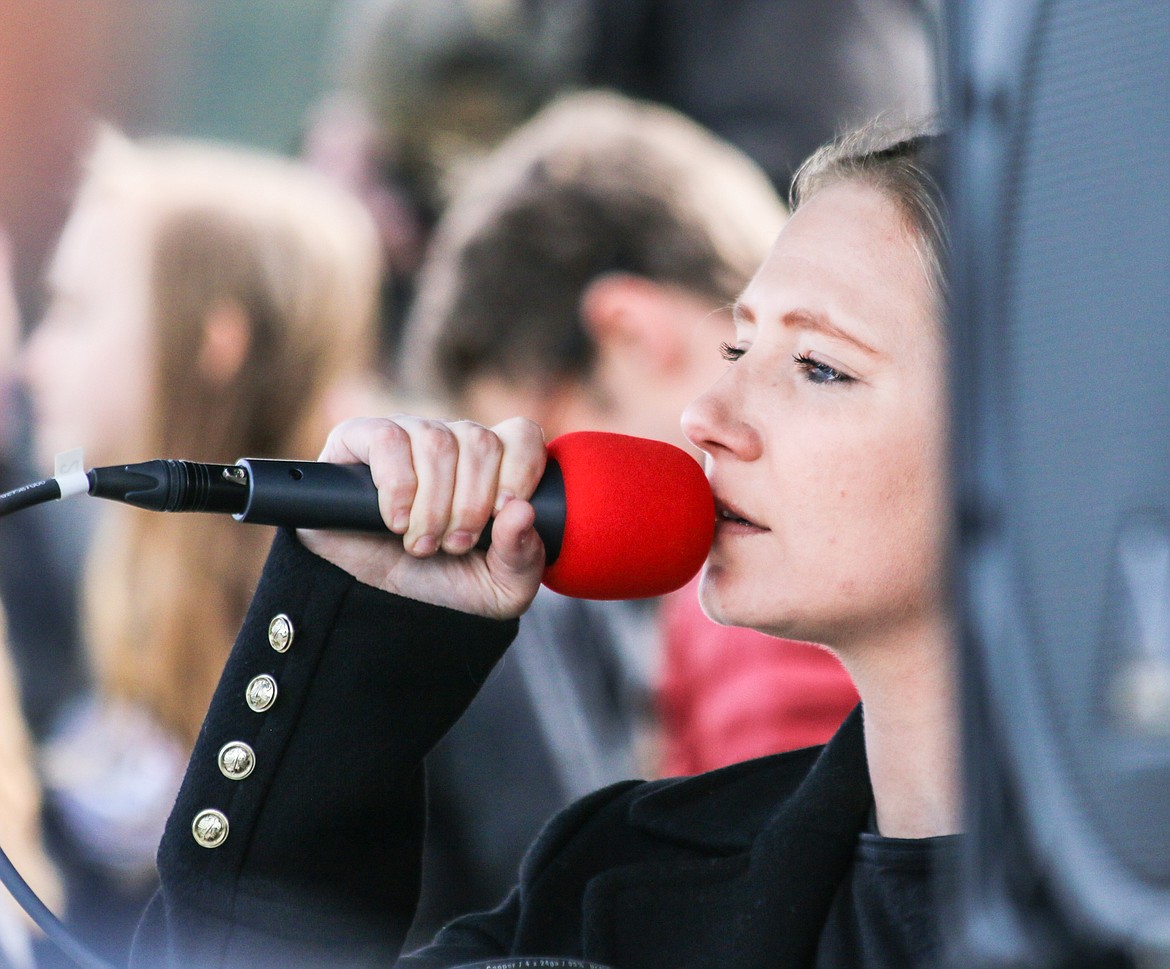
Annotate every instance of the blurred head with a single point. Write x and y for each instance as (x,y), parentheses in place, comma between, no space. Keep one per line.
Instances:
(88,364)
(202,301)
(583,276)
(205,302)
(446,80)
(826,437)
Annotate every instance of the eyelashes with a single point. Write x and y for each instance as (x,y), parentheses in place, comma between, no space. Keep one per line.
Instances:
(815,371)
(730,353)
(820,373)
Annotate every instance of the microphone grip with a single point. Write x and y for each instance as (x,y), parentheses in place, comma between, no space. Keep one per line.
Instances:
(314,494)
(310,494)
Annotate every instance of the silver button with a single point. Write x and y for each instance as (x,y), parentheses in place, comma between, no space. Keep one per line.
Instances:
(210,828)
(280,632)
(236,760)
(261,693)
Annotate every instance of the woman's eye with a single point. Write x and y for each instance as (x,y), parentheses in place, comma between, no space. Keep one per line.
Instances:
(730,353)
(820,373)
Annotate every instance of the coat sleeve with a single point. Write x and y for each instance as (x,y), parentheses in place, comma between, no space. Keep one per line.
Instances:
(297,835)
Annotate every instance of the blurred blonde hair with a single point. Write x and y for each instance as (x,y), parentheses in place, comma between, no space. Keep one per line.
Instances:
(293,257)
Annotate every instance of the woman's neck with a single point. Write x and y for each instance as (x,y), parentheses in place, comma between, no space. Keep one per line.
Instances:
(906,683)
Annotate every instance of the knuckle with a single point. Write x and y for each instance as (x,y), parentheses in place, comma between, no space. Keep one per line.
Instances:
(525,429)
(486,444)
(472,434)
(389,467)
(388,435)
(436,439)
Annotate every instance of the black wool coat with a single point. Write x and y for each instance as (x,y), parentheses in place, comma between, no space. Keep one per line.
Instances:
(320,863)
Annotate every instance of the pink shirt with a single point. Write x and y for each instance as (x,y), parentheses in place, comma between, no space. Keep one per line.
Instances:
(728,694)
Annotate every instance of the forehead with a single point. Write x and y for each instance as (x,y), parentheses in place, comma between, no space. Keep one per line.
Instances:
(848,254)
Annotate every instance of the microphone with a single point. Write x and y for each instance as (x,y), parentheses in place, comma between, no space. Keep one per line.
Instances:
(620,517)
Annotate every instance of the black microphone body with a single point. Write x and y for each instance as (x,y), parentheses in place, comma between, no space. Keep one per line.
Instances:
(310,494)
(292,494)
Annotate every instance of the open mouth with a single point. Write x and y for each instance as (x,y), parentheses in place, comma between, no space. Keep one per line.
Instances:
(728,513)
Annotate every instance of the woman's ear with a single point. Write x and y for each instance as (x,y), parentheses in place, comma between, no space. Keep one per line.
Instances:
(655,352)
(629,314)
(227,336)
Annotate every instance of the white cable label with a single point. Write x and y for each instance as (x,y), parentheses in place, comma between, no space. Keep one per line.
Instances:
(69,462)
(69,472)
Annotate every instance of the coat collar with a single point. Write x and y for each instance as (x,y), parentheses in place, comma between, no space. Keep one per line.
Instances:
(773,839)
(726,810)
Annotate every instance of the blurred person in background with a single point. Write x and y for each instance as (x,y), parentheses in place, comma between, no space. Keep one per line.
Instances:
(446,80)
(584,273)
(423,90)
(40,548)
(206,303)
(581,278)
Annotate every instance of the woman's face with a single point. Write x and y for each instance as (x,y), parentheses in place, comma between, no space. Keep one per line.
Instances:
(88,362)
(825,438)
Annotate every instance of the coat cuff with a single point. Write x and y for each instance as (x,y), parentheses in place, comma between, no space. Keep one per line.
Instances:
(302,812)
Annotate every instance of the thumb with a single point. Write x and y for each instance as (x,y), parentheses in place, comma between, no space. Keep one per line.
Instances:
(516,555)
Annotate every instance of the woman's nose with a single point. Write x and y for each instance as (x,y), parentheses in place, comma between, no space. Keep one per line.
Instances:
(715,421)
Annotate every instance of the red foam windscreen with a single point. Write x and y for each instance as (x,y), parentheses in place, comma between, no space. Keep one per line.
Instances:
(639,517)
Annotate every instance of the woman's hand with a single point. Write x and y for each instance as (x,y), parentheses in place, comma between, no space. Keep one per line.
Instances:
(438,484)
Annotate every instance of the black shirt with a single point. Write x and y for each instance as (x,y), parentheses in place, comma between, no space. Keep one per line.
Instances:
(884,914)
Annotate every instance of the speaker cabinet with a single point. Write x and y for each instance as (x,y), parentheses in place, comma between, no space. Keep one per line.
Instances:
(1059,181)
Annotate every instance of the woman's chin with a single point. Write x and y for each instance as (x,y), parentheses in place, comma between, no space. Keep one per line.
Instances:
(733,603)
(718,599)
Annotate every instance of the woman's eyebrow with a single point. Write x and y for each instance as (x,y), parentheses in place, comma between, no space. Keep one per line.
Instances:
(803,319)
(811,320)
(742,314)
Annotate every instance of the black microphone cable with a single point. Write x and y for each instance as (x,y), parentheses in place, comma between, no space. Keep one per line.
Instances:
(27,496)
(269,491)
(164,485)
(55,931)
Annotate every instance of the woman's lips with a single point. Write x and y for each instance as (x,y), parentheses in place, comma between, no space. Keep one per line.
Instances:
(728,516)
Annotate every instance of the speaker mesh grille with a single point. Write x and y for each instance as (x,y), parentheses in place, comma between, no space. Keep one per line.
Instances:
(1086,372)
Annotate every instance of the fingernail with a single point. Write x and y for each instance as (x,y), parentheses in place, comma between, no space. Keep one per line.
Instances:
(425,545)
(458,541)
(401,521)
(502,499)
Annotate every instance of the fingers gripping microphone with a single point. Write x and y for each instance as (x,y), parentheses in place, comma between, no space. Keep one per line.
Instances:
(620,517)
